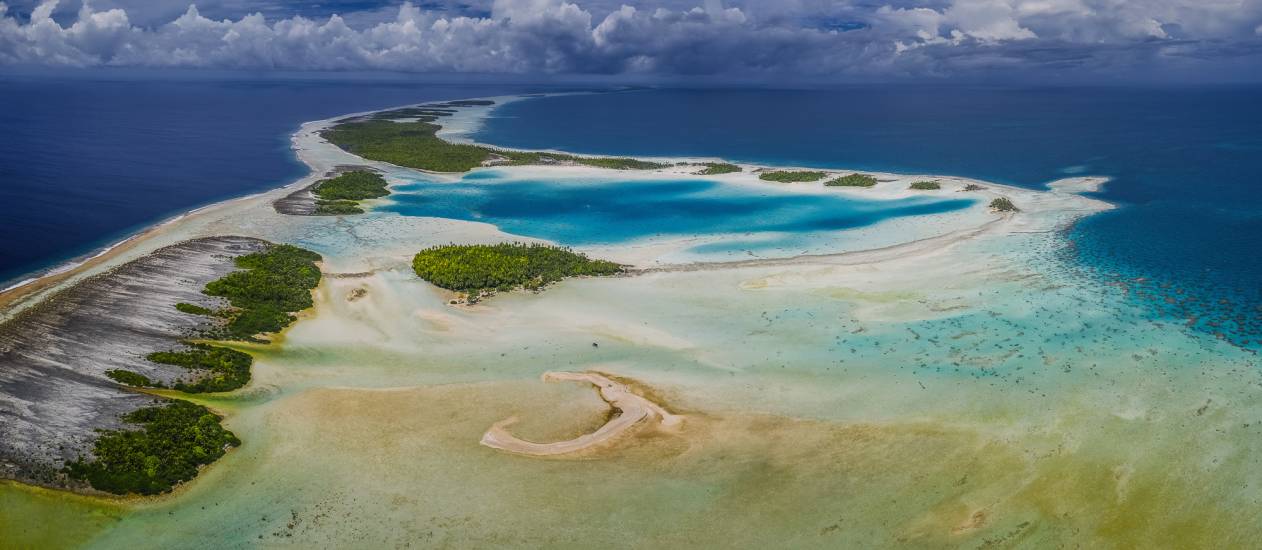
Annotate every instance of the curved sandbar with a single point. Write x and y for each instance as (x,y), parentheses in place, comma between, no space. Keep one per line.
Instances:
(633,411)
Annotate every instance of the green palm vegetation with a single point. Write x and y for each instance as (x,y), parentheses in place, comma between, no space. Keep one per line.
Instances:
(271,285)
(131,378)
(337,208)
(527,158)
(1002,204)
(178,437)
(792,176)
(618,163)
(410,144)
(505,266)
(925,185)
(717,168)
(229,369)
(193,309)
(416,145)
(852,180)
(174,441)
(352,186)
(341,195)
(973,187)
(429,114)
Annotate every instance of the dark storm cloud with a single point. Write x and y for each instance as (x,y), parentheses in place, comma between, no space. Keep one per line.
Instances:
(805,39)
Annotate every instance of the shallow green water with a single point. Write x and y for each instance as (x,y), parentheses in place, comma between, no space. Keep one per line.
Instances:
(826,406)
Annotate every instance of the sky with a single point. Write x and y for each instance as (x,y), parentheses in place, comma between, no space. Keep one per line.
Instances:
(1177,41)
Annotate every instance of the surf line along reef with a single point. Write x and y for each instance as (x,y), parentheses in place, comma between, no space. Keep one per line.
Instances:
(173,315)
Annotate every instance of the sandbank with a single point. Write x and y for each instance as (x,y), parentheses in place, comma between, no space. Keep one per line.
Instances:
(633,411)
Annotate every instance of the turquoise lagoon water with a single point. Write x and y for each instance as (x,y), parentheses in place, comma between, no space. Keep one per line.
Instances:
(579,211)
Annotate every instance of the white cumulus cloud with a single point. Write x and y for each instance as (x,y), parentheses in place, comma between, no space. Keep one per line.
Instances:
(810,38)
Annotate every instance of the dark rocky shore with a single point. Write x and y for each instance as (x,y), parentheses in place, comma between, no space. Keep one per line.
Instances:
(54,393)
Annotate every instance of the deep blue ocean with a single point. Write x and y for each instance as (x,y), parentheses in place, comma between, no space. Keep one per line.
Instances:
(1186,163)
(87,161)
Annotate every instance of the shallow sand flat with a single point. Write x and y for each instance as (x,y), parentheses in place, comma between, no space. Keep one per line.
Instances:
(27,512)
(403,465)
(1042,428)
(1055,442)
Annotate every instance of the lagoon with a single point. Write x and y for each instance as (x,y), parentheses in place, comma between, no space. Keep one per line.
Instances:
(583,211)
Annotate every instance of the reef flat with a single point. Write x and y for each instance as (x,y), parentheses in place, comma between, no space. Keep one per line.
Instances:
(54,392)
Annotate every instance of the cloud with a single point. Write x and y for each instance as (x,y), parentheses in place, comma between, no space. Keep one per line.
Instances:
(799,38)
